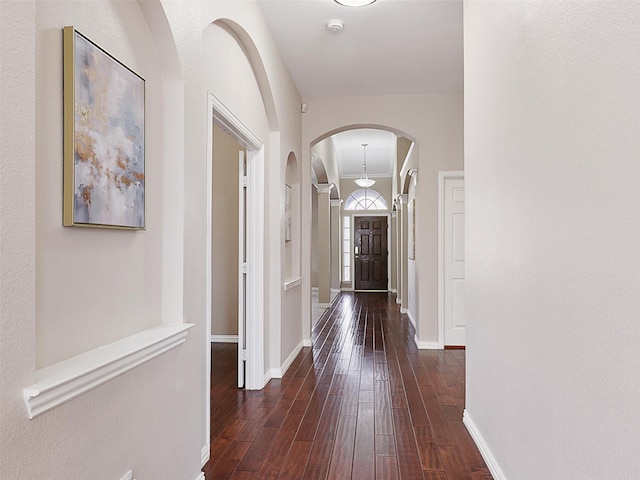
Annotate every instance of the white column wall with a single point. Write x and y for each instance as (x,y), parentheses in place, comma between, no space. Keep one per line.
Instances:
(552,115)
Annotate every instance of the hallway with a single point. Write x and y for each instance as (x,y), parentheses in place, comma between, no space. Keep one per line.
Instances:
(363,403)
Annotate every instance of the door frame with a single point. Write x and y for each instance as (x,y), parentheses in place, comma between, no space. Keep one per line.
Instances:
(443,175)
(254,377)
(363,213)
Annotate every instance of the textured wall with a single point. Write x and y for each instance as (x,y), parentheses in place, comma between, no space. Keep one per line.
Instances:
(553,254)
(234,79)
(64,291)
(94,286)
(151,419)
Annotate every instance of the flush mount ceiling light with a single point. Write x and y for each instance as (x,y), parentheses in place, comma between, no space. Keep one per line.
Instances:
(364,181)
(355,3)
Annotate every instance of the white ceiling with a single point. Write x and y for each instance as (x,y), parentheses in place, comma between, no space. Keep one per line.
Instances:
(391,47)
(380,152)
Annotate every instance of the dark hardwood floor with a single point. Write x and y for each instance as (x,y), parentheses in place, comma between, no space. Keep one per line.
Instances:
(362,403)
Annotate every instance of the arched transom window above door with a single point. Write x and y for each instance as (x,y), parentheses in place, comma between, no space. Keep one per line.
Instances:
(365,199)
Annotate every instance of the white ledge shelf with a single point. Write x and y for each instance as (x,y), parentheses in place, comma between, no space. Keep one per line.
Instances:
(60,382)
(292,282)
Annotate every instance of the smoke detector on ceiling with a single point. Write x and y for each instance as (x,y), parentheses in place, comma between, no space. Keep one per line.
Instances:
(335,26)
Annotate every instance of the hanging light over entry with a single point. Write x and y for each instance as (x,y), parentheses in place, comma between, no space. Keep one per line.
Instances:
(364,181)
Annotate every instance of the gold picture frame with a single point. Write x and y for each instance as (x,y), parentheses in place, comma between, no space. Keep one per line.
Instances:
(104,138)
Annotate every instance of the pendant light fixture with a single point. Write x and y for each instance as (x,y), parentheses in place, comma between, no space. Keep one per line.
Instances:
(364,181)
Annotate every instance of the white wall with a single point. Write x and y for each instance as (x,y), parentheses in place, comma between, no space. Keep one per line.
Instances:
(151,419)
(552,115)
(68,290)
(435,121)
(255,85)
(93,286)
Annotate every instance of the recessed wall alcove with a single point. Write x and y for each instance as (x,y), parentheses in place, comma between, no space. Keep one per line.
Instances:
(291,267)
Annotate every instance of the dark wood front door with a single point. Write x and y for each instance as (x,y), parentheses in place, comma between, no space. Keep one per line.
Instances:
(370,253)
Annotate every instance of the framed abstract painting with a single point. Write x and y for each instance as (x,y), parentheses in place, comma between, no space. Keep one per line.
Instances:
(104,138)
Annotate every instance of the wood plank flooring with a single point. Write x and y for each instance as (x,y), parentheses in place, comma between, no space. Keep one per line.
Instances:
(362,403)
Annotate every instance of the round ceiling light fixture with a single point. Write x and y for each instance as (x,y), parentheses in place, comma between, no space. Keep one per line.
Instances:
(335,26)
(355,3)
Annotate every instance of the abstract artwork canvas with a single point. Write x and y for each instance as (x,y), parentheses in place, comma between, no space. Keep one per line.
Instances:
(104,138)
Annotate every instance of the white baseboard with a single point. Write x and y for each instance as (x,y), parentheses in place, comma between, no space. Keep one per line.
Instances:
(413,320)
(404,310)
(335,290)
(398,300)
(224,338)
(128,475)
(425,345)
(307,342)
(268,375)
(323,305)
(393,290)
(279,372)
(200,477)
(205,455)
(489,459)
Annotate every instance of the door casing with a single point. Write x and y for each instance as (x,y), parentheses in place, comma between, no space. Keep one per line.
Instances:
(443,176)
(254,234)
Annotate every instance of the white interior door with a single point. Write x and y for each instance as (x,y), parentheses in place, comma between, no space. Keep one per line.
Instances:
(454,303)
(242,268)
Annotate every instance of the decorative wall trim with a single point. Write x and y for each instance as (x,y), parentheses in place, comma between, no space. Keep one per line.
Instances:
(224,338)
(279,372)
(426,345)
(489,459)
(205,455)
(63,381)
(292,282)
(324,187)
